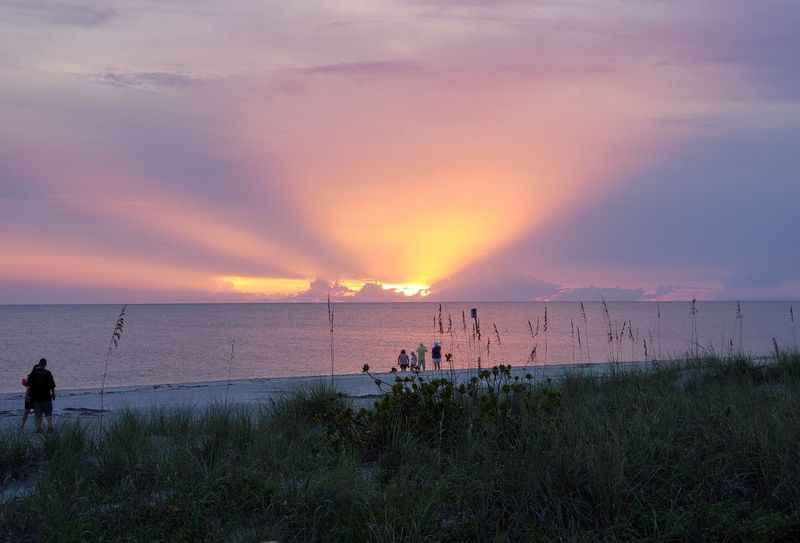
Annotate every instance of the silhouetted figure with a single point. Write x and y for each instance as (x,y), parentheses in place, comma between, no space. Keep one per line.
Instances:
(28,402)
(421,350)
(436,354)
(42,390)
(402,360)
(414,362)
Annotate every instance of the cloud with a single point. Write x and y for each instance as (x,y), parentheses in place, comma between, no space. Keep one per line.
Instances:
(713,218)
(365,68)
(146,80)
(63,13)
(724,201)
(483,282)
(491,4)
(374,293)
(319,291)
(596,294)
(370,292)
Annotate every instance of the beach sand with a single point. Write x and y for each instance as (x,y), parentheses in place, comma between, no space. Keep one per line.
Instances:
(361,388)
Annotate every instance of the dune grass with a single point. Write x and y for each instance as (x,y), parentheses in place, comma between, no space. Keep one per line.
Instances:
(704,451)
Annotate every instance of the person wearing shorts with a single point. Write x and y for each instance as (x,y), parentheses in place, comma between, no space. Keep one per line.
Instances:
(436,354)
(402,360)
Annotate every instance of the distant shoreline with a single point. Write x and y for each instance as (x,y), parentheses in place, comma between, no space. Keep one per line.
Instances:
(429,302)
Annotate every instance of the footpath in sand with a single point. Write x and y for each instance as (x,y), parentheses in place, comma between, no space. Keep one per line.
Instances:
(85,404)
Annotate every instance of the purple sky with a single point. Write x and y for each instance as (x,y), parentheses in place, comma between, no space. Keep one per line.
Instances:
(191,150)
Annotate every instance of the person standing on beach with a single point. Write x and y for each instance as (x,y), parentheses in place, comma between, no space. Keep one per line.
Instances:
(402,360)
(421,350)
(436,354)
(414,363)
(42,389)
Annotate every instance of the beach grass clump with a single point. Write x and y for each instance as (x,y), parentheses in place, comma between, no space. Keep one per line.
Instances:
(15,454)
(704,450)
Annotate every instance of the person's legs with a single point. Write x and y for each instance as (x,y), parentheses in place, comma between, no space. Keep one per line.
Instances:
(48,412)
(24,419)
(41,410)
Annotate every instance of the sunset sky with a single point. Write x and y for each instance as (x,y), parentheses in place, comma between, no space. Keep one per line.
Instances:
(198,150)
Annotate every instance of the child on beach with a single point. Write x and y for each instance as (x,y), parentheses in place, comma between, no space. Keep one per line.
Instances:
(414,363)
(28,403)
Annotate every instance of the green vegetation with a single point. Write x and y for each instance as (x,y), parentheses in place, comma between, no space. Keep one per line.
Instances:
(705,451)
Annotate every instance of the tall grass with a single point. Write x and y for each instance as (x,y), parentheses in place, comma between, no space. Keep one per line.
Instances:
(624,340)
(231,358)
(658,325)
(331,321)
(586,332)
(532,358)
(694,341)
(740,323)
(612,357)
(545,328)
(572,338)
(700,451)
(113,343)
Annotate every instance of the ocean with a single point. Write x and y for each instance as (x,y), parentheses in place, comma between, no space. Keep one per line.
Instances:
(181,343)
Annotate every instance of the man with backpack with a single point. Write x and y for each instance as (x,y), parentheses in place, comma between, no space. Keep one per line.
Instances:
(42,389)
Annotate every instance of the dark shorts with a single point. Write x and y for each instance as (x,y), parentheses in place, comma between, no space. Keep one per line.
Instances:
(43,408)
(28,404)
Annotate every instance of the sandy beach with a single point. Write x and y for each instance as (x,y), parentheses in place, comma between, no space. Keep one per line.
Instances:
(85,403)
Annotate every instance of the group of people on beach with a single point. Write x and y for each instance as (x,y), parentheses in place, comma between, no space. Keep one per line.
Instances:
(416,361)
(40,391)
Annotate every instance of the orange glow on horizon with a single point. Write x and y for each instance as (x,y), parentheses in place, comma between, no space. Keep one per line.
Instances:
(418,199)
(408,289)
(267,286)
(352,285)
(439,232)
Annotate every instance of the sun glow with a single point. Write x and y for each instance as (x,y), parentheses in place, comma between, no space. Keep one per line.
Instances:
(352,285)
(266,286)
(408,289)
(452,229)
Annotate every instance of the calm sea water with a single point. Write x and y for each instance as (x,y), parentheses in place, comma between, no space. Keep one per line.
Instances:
(192,342)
